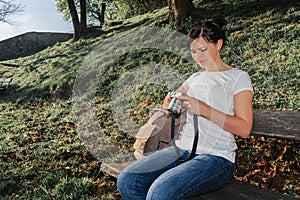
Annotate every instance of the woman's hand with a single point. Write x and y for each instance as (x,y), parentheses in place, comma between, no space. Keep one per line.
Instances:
(167,101)
(192,104)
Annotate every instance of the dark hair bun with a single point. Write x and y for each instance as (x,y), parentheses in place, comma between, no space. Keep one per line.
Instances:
(220,21)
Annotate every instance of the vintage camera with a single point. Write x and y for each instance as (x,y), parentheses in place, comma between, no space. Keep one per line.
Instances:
(175,104)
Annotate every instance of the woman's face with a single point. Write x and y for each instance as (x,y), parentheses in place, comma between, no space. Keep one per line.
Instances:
(204,53)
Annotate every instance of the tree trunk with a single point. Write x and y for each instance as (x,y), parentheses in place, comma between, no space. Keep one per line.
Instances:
(180,10)
(79,27)
(103,8)
(75,19)
(83,18)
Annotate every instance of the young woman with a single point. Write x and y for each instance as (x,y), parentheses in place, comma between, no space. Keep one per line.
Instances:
(221,98)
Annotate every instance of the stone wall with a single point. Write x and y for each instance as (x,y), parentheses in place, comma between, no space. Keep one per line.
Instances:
(29,43)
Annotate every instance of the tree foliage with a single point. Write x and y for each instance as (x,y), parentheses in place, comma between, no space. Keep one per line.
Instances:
(95,10)
(128,8)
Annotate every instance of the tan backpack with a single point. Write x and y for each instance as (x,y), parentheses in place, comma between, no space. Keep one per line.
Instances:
(156,133)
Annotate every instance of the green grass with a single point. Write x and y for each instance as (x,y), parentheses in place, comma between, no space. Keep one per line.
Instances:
(42,155)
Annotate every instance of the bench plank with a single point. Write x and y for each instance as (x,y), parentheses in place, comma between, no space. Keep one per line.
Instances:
(235,190)
(275,123)
(114,169)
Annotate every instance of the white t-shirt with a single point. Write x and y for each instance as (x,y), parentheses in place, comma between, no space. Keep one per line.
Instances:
(216,89)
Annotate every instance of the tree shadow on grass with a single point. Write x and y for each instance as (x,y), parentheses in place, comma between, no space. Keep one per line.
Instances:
(245,9)
(15,94)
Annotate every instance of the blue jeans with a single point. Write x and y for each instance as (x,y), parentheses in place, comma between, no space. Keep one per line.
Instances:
(161,176)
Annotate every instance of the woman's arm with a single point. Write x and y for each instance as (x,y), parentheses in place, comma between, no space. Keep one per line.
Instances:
(240,124)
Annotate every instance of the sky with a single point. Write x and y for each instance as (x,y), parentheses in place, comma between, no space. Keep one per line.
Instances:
(37,15)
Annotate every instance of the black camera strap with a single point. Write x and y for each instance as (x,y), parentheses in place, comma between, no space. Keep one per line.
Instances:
(196,137)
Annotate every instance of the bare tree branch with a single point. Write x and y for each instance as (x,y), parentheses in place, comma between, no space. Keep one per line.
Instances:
(8,8)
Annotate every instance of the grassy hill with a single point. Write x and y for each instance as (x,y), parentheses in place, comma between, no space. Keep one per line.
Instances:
(42,156)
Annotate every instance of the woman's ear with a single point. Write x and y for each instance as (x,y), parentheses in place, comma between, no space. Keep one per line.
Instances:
(219,44)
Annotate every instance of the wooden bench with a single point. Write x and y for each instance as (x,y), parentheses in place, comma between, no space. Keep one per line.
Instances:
(4,83)
(269,123)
